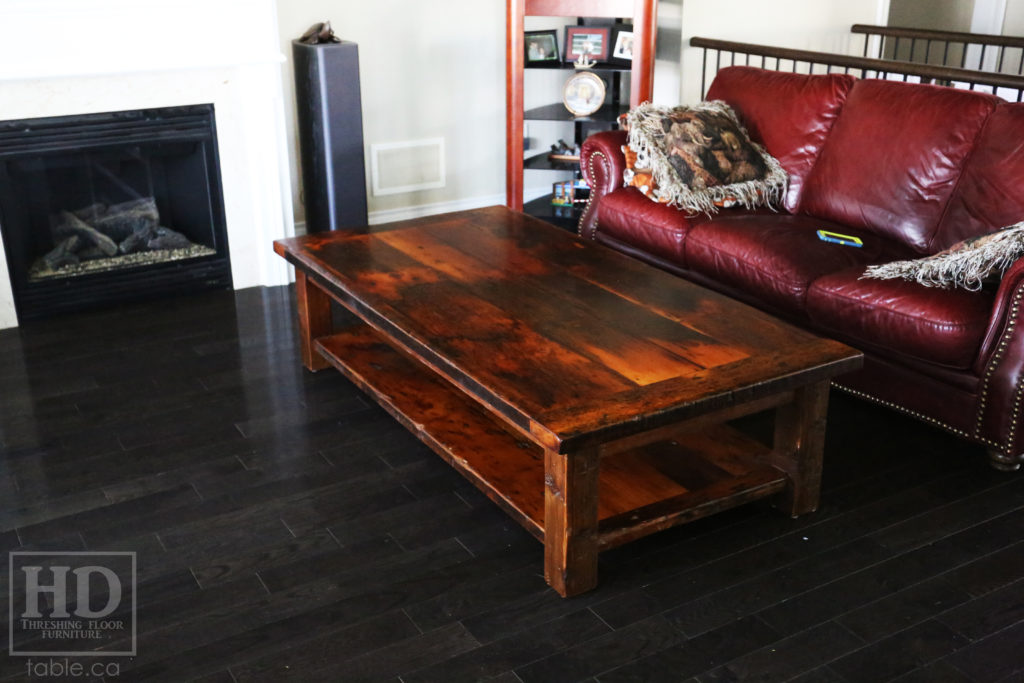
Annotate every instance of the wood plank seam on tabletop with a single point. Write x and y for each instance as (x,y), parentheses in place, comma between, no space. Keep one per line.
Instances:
(455,262)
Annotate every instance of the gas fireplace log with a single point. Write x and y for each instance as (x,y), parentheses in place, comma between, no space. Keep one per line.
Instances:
(64,253)
(136,241)
(165,238)
(90,253)
(91,212)
(121,220)
(151,238)
(66,224)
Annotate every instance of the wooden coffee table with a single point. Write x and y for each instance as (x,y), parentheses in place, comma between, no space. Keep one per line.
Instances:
(584,392)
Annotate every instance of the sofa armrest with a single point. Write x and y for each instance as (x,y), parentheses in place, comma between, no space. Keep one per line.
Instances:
(1001,367)
(602,164)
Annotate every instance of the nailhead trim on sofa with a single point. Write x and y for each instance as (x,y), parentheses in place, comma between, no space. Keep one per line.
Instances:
(996,358)
(593,193)
(913,413)
(1011,462)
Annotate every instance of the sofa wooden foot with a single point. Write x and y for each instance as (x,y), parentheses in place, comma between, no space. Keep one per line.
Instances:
(1003,462)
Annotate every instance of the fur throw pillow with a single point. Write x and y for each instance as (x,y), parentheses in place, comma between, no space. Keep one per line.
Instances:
(699,158)
(966,264)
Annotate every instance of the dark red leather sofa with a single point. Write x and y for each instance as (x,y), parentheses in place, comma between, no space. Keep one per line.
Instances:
(910,169)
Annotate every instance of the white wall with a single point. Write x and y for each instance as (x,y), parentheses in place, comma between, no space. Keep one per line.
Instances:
(427,70)
(936,15)
(822,25)
(939,15)
(668,54)
(1013,24)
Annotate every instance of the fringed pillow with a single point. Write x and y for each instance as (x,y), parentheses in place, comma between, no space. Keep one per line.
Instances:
(699,159)
(966,264)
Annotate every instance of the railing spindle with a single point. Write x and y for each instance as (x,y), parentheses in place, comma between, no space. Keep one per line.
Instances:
(704,73)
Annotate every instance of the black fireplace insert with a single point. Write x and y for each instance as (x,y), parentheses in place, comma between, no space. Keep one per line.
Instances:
(99,209)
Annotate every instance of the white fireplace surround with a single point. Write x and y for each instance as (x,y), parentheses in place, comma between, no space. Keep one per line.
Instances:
(63,57)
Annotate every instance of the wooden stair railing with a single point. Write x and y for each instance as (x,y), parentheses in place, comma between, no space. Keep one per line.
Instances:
(990,55)
(729,53)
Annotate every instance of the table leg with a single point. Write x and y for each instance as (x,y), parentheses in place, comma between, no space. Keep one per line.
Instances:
(799,443)
(570,520)
(314,319)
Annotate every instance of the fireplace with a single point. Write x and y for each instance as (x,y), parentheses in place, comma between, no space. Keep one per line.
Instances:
(97,209)
(92,74)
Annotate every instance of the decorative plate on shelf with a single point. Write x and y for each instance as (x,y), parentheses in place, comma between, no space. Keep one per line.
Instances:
(583,93)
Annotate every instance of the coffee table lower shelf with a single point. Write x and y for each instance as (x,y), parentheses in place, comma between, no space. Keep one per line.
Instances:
(641,491)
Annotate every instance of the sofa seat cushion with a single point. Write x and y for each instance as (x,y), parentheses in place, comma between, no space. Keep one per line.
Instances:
(628,216)
(777,257)
(943,326)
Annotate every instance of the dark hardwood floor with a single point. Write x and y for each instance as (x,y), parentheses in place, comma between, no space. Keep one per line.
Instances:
(287,529)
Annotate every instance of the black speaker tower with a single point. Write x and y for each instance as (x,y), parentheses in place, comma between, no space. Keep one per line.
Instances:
(330,123)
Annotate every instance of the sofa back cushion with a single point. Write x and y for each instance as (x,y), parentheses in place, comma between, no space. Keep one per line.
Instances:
(989,195)
(893,158)
(790,114)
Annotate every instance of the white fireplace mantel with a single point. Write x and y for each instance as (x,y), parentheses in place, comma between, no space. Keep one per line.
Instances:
(60,38)
(63,57)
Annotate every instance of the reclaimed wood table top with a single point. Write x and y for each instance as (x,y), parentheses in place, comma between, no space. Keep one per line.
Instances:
(567,340)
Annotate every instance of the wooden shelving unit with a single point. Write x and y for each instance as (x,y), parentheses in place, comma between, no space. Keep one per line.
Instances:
(642,14)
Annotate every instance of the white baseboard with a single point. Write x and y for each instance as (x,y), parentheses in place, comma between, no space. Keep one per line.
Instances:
(407,212)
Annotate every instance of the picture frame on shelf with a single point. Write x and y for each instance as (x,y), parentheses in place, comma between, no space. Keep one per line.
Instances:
(622,45)
(583,93)
(562,193)
(541,46)
(594,40)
